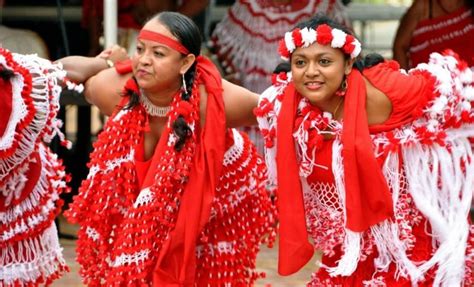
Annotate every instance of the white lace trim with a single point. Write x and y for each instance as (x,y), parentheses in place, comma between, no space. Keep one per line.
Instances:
(111,164)
(222,247)
(41,189)
(146,196)
(45,94)
(30,259)
(129,259)
(235,151)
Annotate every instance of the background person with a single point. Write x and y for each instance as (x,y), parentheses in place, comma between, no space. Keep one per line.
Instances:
(432,26)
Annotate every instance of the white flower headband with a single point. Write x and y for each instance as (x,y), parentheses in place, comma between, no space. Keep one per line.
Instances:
(323,35)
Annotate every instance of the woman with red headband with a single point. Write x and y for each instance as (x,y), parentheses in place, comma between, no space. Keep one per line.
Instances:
(173,197)
(372,163)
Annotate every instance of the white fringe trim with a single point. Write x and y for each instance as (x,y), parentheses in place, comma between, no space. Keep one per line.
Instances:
(45,94)
(443,193)
(41,189)
(29,259)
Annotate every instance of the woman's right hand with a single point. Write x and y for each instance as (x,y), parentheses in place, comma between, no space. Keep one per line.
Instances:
(114,53)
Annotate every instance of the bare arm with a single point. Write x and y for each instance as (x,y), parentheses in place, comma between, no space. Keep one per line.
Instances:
(378,105)
(80,68)
(104,90)
(405,31)
(239,104)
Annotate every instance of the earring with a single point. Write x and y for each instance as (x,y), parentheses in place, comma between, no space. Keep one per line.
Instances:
(184,83)
(343,89)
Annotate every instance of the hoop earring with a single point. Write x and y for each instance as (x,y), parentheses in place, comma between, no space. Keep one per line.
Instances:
(184,84)
(343,89)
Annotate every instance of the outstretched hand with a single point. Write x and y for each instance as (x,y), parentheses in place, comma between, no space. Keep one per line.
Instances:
(115,54)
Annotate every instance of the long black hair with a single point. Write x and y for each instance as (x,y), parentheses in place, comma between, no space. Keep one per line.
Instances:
(188,34)
(361,62)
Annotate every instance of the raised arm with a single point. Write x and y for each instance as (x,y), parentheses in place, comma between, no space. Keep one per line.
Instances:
(405,31)
(239,105)
(81,68)
(104,90)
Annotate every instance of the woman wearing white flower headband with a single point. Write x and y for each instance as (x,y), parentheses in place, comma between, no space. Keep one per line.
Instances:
(373,163)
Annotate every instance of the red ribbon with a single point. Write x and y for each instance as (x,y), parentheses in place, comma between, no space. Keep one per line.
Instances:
(162,39)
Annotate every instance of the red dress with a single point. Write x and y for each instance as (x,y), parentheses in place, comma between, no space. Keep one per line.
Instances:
(324,215)
(188,217)
(452,31)
(325,225)
(412,150)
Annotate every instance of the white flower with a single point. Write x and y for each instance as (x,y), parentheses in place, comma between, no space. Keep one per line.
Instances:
(308,36)
(338,38)
(290,44)
(357,49)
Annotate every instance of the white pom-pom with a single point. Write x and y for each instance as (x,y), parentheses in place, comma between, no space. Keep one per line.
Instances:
(79,88)
(432,125)
(338,38)
(439,105)
(290,44)
(357,49)
(308,36)
(465,106)
(468,93)
(451,62)
(466,76)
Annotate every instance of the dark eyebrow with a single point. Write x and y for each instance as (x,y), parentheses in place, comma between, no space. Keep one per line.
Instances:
(305,55)
(156,45)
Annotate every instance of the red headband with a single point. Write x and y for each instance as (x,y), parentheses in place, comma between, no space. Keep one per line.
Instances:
(162,39)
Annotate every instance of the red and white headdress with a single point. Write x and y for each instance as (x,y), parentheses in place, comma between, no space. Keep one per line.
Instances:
(323,35)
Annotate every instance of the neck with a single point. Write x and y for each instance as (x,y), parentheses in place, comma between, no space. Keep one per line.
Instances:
(162,98)
(332,105)
(338,108)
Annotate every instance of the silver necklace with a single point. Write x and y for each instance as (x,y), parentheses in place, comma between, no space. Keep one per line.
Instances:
(152,109)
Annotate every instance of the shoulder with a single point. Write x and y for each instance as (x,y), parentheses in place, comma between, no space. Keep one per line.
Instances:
(391,92)
(418,10)
(104,90)
(378,104)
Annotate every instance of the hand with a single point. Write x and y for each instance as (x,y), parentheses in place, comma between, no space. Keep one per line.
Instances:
(115,53)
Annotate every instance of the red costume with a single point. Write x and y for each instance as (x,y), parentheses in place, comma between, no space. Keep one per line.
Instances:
(453,31)
(184,218)
(31,175)
(387,204)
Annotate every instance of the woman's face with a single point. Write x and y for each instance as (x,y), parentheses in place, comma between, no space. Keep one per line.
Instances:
(318,72)
(157,67)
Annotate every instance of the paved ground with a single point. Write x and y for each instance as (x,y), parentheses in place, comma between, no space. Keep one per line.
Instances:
(266,261)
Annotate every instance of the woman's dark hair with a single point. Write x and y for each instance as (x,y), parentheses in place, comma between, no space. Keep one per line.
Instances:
(361,63)
(368,61)
(188,34)
(282,67)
